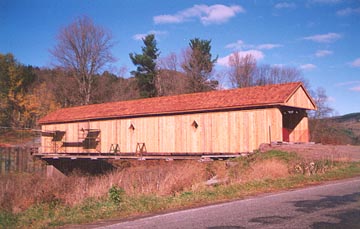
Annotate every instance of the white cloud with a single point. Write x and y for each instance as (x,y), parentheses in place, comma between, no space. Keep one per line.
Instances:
(162,19)
(141,36)
(348,11)
(239,45)
(219,13)
(307,67)
(324,38)
(348,83)
(258,55)
(214,14)
(285,5)
(357,88)
(354,85)
(356,63)
(268,46)
(326,1)
(322,53)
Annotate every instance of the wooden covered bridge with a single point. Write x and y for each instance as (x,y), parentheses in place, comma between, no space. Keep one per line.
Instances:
(225,122)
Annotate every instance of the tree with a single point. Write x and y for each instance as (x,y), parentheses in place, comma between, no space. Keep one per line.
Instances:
(37,103)
(146,73)
(170,80)
(241,70)
(321,126)
(321,100)
(266,74)
(84,49)
(109,82)
(245,72)
(15,81)
(198,65)
(169,62)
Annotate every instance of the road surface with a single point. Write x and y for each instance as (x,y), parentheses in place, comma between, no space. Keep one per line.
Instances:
(332,205)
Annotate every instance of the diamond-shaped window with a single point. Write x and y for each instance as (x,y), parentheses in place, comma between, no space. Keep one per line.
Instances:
(195,124)
(131,127)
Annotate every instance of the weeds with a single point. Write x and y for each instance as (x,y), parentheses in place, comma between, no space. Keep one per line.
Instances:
(116,194)
(7,219)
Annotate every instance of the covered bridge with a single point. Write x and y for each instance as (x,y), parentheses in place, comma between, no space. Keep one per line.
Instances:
(225,121)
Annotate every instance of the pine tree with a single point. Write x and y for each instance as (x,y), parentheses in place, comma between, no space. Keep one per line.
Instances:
(198,66)
(146,73)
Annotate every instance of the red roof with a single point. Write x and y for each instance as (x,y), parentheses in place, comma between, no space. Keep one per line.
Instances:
(276,94)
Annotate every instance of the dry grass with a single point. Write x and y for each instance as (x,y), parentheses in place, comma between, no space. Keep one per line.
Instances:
(161,178)
(268,169)
(139,178)
(20,191)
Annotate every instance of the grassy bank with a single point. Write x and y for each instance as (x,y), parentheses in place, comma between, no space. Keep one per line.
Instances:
(141,188)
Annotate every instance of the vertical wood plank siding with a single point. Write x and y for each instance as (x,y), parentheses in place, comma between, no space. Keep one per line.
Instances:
(301,131)
(217,132)
(300,99)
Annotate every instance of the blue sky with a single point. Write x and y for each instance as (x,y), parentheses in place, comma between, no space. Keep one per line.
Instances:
(320,37)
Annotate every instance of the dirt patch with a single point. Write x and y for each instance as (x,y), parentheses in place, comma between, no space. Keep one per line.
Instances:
(318,151)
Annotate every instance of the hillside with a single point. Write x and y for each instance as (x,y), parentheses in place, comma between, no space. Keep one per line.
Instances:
(339,130)
(351,126)
(352,117)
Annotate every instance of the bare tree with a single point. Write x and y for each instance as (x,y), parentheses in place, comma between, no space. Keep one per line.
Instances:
(245,72)
(321,100)
(169,62)
(241,70)
(266,74)
(170,81)
(84,49)
(320,124)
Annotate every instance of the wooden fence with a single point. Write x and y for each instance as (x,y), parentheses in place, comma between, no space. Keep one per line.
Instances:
(19,159)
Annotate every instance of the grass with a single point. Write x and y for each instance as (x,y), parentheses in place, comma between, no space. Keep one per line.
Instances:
(113,197)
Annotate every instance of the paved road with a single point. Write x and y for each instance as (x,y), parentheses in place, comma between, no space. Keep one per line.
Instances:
(333,205)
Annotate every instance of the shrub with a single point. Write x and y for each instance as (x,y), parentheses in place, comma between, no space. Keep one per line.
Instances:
(116,194)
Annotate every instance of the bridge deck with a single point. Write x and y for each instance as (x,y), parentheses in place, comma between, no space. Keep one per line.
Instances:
(134,156)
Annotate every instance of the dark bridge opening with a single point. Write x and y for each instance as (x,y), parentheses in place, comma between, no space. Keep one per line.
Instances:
(83,166)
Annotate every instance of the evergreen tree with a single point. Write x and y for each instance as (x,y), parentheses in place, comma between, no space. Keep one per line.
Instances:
(146,73)
(198,66)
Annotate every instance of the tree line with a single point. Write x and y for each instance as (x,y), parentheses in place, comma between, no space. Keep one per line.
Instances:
(80,76)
